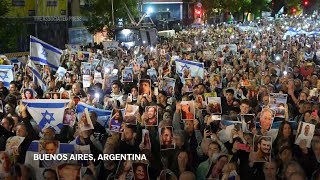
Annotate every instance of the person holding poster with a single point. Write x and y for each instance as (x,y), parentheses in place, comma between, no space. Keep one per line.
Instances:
(151,116)
(305,134)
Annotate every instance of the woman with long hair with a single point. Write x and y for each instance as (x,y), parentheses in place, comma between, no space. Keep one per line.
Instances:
(285,137)
(116,121)
(215,170)
(182,163)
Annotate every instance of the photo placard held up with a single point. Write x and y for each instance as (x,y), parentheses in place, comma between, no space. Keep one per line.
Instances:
(150,117)
(214,105)
(248,122)
(131,114)
(187,110)
(262,148)
(127,74)
(305,134)
(166,138)
(277,103)
(145,87)
(168,86)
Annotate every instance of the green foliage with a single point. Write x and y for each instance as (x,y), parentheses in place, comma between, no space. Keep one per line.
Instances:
(99,13)
(293,4)
(4,8)
(236,6)
(10,30)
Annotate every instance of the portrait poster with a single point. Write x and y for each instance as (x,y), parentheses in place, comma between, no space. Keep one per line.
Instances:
(187,110)
(277,103)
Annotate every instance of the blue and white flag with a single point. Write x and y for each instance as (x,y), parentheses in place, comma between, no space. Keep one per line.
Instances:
(195,68)
(33,151)
(44,53)
(47,112)
(103,115)
(6,74)
(37,78)
(61,73)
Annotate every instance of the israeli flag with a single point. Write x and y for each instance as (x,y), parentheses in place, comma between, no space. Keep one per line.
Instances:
(6,74)
(47,112)
(37,78)
(103,115)
(44,53)
(33,150)
(195,68)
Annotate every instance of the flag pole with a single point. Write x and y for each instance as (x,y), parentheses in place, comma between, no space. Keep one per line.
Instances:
(112,12)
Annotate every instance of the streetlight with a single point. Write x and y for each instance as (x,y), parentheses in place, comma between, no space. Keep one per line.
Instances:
(150,10)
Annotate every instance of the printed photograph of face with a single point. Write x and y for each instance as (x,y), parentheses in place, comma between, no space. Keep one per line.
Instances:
(116,121)
(140,171)
(28,94)
(166,138)
(153,75)
(145,87)
(187,110)
(214,105)
(266,119)
(69,117)
(146,144)
(48,147)
(130,114)
(65,95)
(151,116)
(127,75)
(169,85)
(189,85)
(85,122)
(262,148)
(305,134)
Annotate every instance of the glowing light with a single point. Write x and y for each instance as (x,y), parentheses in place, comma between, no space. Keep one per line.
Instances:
(150,10)
(285,73)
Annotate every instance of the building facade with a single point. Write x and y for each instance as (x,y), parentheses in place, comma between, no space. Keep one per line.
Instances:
(182,10)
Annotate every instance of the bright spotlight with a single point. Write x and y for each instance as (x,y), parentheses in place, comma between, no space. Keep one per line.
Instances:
(150,10)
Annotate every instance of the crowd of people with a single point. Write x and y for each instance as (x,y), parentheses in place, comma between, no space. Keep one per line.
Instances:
(250,112)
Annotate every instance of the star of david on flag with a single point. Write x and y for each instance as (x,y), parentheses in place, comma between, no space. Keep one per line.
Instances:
(185,66)
(6,74)
(44,53)
(47,112)
(3,75)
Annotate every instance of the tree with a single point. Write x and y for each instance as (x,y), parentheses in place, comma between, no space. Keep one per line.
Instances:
(290,4)
(11,30)
(99,13)
(236,7)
